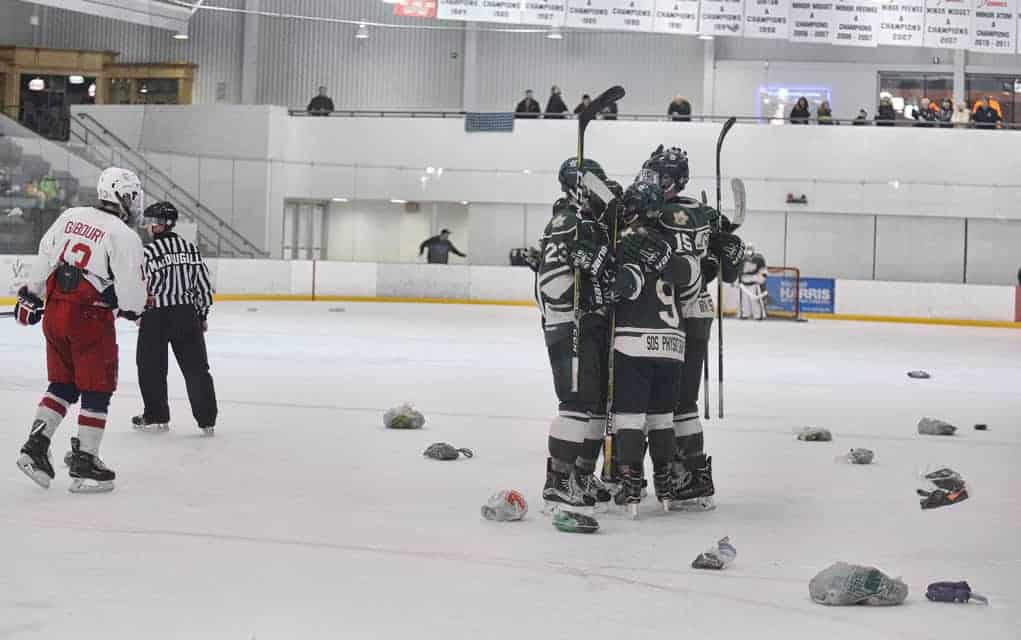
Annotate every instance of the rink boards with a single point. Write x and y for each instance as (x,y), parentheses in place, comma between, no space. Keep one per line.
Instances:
(314,280)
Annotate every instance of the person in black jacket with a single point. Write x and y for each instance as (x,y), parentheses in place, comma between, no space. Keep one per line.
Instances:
(438,248)
(528,108)
(985,116)
(180,295)
(679,109)
(586,100)
(321,105)
(800,114)
(886,115)
(555,107)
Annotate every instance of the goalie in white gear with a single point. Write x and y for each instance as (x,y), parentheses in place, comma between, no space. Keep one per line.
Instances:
(752,289)
(88,272)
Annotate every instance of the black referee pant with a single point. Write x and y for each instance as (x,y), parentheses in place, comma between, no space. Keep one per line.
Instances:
(181,328)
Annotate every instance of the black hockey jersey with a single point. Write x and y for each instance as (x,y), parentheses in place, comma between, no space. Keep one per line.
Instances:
(691,222)
(648,323)
(554,279)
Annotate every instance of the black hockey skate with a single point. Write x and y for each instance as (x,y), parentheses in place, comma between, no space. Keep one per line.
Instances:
(563,491)
(665,483)
(630,494)
(594,487)
(139,423)
(695,490)
(34,460)
(209,431)
(88,473)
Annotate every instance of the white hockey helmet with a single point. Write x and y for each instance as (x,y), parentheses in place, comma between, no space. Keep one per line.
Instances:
(121,189)
(749,249)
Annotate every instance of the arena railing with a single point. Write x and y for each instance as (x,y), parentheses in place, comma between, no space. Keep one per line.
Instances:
(652,117)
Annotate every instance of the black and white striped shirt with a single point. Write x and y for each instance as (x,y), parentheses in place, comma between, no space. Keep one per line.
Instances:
(176,275)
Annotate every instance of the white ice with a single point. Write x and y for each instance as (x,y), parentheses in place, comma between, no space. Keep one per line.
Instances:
(304,518)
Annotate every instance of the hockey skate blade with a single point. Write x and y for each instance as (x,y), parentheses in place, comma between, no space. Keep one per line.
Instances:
(37,476)
(695,505)
(632,510)
(81,485)
(158,427)
(208,432)
(551,507)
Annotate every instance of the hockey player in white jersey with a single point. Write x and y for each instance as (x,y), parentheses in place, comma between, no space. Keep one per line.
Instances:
(88,272)
(752,289)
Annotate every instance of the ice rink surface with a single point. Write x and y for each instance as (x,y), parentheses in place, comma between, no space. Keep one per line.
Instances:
(304,518)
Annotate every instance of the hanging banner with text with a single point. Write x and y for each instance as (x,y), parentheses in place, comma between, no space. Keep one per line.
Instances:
(811,21)
(680,16)
(856,23)
(948,24)
(480,10)
(994,26)
(767,19)
(611,14)
(902,23)
(722,18)
(551,13)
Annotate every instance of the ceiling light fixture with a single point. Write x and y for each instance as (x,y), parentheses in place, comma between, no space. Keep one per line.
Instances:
(36,84)
(180,35)
(705,36)
(339,200)
(398,201)
(362,33)
(76,80)
(554,34)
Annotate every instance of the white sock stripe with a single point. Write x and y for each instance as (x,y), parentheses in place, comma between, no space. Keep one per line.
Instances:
(573,415)
(568,429)
(682,417)
(634,421)
(90,437)
(58,400)
(687,427)
(659,422)
(92,414)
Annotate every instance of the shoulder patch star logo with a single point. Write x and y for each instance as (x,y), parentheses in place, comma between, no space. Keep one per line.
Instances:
(680,218)
(559,220)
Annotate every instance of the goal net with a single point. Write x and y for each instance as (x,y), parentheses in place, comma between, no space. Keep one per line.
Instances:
(783,288)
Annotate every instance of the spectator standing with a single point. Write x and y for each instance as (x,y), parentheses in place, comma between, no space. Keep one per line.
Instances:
(924,115)
(438,248)
(586,100)
(825,114)
(962,117)
(886,115)
(862,119)
(555,107)
(679,109)
(321,105)
(985,116)
(528,108)
(946,113)
(800,113)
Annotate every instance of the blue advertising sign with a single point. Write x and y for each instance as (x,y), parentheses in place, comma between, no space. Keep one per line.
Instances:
(818,295)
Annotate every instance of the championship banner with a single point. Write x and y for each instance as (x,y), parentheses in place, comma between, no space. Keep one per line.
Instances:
(856,23)
(948,24)
(415,9)
(767,19)
(994,26)
(550,13)
(722,18)
(480,10)
(676,17)
(621,15)
(902,23)
(811,21)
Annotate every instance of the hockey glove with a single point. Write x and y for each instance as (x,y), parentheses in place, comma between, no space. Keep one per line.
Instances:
(590,257)
(729,249)
(710,269)
(652,253)
(28,310)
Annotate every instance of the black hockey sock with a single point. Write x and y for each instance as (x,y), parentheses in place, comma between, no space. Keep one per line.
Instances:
(690,446)
(629,445)
(563,450)
(590,451)
(662,447)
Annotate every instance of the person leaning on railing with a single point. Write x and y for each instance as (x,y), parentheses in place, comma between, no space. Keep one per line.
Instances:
(825,114)
(555,106)
(679,109)
(986,116)
(800,113)
(321,105)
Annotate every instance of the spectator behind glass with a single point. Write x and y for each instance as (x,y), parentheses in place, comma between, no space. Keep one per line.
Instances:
(800,114)
(555,107)
(825,114)
(439,248)
(886,115)
(321,105)
(679,109)
(528,108)
(586,100)
(962,117)
(862,118)
(986,117)
(945,116)
(924,115)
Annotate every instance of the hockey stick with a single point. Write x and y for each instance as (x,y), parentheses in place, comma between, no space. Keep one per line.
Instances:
(727,126)
(606,98)
(740,203)
(6,314)
(705,361)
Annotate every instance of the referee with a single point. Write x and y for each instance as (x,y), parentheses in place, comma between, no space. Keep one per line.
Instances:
(179,299)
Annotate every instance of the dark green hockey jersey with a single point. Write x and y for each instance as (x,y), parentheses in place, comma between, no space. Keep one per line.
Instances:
(691,222)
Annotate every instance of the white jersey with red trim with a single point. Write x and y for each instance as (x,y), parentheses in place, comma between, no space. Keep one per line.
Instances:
(107,251)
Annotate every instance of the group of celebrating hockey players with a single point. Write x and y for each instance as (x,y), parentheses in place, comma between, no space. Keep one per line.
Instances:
(626,312)
(91,270)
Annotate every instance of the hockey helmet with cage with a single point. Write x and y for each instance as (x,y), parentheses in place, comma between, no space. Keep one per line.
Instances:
(162,213)
(643,202)
(120,192)
(671,165)
(569,177)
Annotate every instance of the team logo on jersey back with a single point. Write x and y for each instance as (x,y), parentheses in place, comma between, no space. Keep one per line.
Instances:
(681,218)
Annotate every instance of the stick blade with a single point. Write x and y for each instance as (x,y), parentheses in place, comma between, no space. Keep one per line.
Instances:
(603,100)
(740,202)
